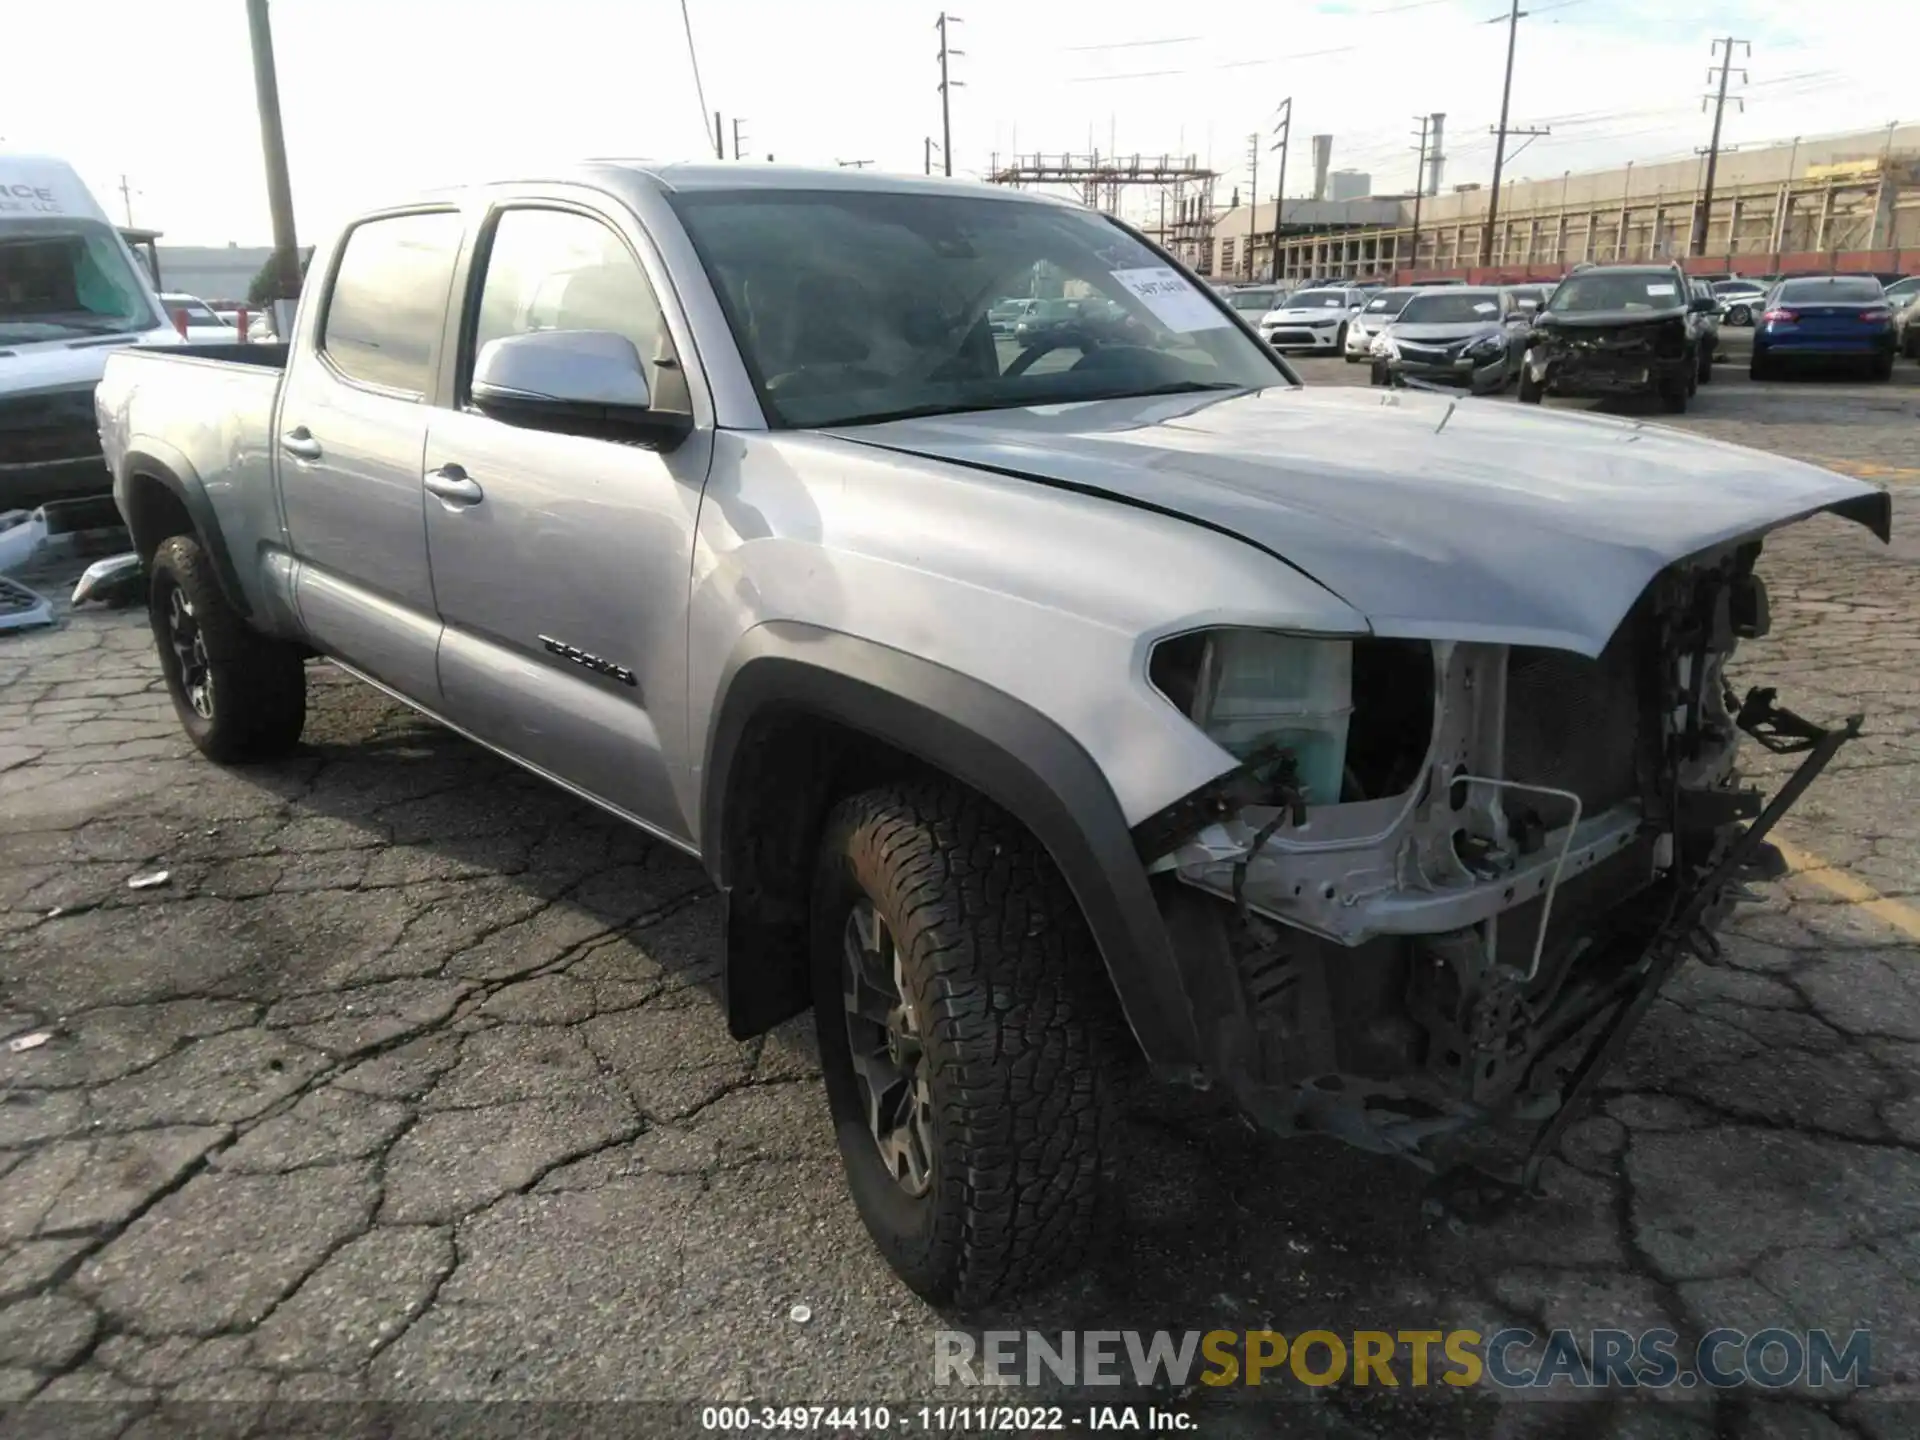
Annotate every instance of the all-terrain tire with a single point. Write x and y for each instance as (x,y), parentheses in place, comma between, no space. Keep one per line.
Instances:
(1021,1033)
(253,703)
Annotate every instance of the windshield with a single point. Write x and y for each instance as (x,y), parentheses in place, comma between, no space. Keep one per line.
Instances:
(1318,300)
(1259,301)
(1838,290)
(56,284)
(1388,302)
(852,306)
(1601,291)
(1456,307)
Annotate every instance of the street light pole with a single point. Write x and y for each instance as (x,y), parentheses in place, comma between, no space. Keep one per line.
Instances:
(273,146)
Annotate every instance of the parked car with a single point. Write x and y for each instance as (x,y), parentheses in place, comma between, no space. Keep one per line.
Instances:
(1378,313)
(1046,321)
(1824,319)
(1253,301)
(1706,319)
(202,323)
(1529,298)
(1902,291)
(1906,319)
(1465,336)
(1739,300)
(1005,315)
(1312,320)
(1614,330)
(1153,715)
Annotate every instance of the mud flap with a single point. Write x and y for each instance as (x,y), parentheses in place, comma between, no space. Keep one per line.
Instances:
(1472,1193)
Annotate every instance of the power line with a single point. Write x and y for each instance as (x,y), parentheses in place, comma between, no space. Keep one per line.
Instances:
(1698,239)
(1500,136)
(1133,44)
(946,87)
(699,90)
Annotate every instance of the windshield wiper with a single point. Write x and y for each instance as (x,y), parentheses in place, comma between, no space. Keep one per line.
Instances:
(922,412)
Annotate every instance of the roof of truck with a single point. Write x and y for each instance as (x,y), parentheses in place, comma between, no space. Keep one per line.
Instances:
(44,185)
(681,175)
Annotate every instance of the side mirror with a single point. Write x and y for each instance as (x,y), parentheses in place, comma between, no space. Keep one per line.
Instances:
(580,382)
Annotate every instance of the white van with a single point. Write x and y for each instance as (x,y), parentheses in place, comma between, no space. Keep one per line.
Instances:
(70,292)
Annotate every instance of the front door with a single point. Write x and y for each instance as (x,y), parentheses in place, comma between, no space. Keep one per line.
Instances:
(352,428)
(561,562)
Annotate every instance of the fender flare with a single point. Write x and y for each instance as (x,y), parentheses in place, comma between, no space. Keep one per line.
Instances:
(156,460)
(986,739)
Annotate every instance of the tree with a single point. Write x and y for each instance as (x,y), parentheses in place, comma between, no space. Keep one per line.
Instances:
(260,289)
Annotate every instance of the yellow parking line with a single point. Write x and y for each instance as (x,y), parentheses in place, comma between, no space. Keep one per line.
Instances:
(1831,878)
(1868,469)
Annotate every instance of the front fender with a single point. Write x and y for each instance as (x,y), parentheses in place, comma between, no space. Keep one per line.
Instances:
(1011,753)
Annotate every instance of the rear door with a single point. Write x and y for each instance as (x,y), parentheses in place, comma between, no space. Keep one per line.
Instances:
(352,427)
(562,582)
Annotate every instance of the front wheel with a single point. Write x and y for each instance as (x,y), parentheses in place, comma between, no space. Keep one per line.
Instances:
(967,1038)
(1706,365)
(1340,340)
(1739,315)
(1531,390)
(240,696)
(1674,393)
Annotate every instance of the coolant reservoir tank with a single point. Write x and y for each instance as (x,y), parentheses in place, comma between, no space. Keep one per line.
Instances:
(1291,690)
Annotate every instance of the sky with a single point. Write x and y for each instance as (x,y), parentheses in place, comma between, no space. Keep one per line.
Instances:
(384,97)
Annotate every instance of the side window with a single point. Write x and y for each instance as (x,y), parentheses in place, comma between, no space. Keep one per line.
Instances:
(389,299)
(557,270)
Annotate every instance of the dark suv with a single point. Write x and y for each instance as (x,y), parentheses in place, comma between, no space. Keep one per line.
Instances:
(1618,329)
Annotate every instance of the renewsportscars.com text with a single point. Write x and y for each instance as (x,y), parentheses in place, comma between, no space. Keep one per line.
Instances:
(1512,1359)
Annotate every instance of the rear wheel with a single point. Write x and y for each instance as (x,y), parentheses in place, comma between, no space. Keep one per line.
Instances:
(239,695)
(1882,367)
(967,1038)
(1739,315)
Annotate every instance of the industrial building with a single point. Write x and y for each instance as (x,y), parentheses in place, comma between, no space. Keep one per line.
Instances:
(1852,200)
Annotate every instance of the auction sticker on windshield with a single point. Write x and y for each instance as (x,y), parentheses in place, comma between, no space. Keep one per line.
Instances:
(1173,300)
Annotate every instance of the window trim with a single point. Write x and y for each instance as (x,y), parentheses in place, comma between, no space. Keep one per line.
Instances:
(461,378)
(434,355)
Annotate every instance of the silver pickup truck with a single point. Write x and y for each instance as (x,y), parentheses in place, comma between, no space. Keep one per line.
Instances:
(1038,706)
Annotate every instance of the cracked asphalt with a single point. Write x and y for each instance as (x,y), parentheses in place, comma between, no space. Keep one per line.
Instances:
(410,1083)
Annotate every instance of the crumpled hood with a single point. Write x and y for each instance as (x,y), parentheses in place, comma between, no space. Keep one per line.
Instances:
(1435,518)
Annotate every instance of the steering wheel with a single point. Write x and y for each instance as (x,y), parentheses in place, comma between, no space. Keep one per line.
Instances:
(1024,361)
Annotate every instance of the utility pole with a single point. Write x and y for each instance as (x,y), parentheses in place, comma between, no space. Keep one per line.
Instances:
(946,86)
(719,143)
(1419,191)
(1283,127)
(127,192)
(928,146)
(1513,17)
(1698,245)
(1253,197)
(739,149)
(273,145)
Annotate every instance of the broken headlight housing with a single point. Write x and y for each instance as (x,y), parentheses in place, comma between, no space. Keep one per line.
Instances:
(1252,689)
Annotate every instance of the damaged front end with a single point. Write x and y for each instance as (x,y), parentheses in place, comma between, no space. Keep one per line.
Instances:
(1448,877)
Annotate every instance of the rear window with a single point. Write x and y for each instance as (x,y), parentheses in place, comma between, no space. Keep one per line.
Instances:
(1840,290)
(389,299)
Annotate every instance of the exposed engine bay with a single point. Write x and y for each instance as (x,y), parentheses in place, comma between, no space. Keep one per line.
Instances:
(1443,885)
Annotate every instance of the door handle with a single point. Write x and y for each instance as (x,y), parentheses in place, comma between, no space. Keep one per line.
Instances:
(299,443)
(452,484)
